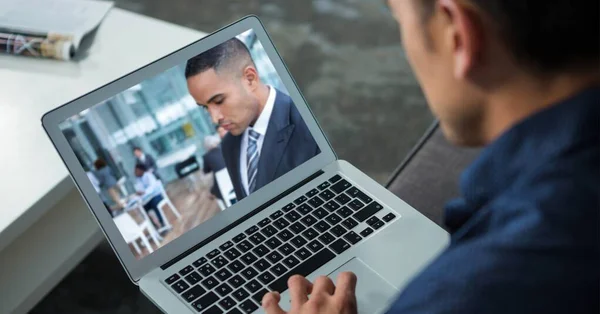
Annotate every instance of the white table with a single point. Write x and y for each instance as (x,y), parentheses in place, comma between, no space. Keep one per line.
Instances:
(45,228)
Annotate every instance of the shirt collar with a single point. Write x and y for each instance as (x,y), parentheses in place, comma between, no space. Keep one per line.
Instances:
(537,140)
(262,122)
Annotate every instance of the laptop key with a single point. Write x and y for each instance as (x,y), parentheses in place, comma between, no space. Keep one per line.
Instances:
(186,270)
(304,209)
(378,224)
(297,227)
(344,212)
(235,311)
(172,279)
(363,197)
(342,199)
(326,195)
(288,207)
(320,213)
(322,226)
(236,266)
(389,217)
(352,192)
(302,253)
(310,234)
(223,289)
(274,257)
(335,178)
(248,258)
(298,241)
(223,274)
(281,223)
(251,230)
(303,269)
(352,237)
(232,254)
(249,272)
(278,269)
(339,246)
(285,235)
(262,265)
(273,243)
(315,246)
(292,216)
(253,286)
(356,204)
(244,246)
(193,293)
(200,261)
(326,238)
(236,281)
(204,302)
(315,202)
(213,310)
(286,249)
(309,220)
(323,185)
(349,223)
(225,246)
(193,278)
(220,261)
(331,206)
(372,220)
(210,282)
(312,193)
(206,269)
(276,215)
(341,186)
(212,254)
(240,294)
(248,306)
(259,295)
(366,232)
(269,231)
(338,231)
(239,238)
(227,303)
(266,277)
(260,250)
(291,261)
(300,200)
(368,211)
(264,222)
(180,286)
(257,238)
(333,219)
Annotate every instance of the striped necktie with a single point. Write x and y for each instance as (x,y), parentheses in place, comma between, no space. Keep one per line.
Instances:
(252,156)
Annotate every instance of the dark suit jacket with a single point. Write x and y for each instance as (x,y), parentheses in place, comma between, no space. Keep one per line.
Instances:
(150,163)
(287,144)
(213,162)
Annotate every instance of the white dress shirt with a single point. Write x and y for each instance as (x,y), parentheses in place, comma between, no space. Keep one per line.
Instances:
(260,126)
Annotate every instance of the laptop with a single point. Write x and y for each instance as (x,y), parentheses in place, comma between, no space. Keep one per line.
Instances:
(197,238)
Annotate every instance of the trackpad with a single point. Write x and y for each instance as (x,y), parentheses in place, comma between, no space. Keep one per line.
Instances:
(373,293)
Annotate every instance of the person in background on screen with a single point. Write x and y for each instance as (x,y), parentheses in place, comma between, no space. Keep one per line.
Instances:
(147,160)
(106,181)
(148,188)
(521,78)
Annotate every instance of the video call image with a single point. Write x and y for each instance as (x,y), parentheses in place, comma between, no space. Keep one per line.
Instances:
(175,150)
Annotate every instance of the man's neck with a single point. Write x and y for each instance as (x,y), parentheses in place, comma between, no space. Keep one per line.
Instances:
(524,96)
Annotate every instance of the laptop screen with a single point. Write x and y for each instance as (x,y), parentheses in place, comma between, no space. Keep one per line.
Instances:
(177,149)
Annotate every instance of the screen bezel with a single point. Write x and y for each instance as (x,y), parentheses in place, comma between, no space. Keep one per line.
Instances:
(137,268)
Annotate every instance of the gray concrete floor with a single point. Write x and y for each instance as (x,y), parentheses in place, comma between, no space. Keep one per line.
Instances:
(347,59)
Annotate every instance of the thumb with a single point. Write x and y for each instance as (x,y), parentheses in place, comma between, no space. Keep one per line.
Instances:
(270,303)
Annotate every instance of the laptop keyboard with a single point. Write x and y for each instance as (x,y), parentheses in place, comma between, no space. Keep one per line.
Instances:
(297,239)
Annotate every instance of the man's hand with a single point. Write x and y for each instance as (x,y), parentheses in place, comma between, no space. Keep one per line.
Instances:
(324,296)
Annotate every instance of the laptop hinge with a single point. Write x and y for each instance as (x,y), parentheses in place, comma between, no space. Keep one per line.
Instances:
(242,219)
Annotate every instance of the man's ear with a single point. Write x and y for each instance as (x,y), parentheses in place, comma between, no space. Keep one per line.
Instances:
(464,36)
(250,77)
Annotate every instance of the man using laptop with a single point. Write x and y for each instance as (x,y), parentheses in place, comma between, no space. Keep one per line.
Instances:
(258,117)
(522,78)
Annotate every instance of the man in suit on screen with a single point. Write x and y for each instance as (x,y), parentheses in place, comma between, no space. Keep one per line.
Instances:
(266,136)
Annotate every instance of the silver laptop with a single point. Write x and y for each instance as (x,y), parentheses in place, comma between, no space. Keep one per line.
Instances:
(207,222)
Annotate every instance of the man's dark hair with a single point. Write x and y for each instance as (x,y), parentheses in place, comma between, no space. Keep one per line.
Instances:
(141,167)
(546,36)
(230,53)
(137,148)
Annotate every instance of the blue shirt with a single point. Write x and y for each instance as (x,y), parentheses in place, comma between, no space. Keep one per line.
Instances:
(525,234)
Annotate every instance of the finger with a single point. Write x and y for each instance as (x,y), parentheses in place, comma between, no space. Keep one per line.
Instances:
(299,289)
(270,302)
(323,285)
(346,287)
